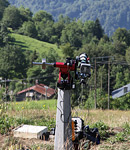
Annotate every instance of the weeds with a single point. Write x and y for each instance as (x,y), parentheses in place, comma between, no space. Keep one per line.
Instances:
(103,129)
(126,127)
(34,113)
(43,113)
(6,122)
(42,147)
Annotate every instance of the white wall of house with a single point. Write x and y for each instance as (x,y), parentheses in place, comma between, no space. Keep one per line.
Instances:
(121,91)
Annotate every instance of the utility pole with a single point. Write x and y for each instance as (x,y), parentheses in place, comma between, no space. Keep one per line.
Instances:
(108,58)
(109,84)
(5,90)
(101,78)
(63,135)
(95,85)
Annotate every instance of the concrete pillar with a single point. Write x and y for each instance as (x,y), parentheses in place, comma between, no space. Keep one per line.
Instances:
(63,134)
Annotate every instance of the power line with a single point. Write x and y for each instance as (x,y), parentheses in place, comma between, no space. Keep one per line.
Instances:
(122,64)
(114,62)
(25,79)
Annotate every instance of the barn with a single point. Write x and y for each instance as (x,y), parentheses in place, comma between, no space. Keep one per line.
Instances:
(36,92)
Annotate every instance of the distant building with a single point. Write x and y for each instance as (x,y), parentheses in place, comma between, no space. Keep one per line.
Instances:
(121,91)
(36,92)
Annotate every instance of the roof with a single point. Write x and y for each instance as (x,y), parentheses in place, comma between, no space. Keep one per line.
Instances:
(121,91)
(41,88)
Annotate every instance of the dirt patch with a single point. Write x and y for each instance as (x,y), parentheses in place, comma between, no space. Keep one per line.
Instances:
(6,142)
(2,140)
(9,141)
(117,130)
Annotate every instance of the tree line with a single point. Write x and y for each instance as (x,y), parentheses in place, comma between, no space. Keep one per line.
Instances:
(112,14)
(72,37)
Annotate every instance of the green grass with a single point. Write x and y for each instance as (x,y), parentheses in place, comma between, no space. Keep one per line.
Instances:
(43,113)
(40,105)
(32,44)
(40,113)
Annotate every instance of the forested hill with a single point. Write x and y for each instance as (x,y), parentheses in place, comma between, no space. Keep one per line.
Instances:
(111,13)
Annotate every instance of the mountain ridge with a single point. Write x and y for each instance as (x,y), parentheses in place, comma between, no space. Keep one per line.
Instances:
(112,13)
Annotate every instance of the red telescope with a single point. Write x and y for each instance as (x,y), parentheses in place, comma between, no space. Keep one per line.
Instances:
(81,62)
(64,71)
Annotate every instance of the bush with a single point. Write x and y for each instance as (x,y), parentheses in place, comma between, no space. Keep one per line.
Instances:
(5,123)
(102,100)
(28,29)
(122,103)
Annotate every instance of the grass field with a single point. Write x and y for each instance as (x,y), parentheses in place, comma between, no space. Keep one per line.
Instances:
(32,44)
(114,125)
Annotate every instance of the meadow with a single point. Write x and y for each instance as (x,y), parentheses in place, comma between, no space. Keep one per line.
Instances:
(113,125)
(32,44)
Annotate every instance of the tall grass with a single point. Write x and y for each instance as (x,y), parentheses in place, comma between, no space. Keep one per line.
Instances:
(47,108)
(112,118)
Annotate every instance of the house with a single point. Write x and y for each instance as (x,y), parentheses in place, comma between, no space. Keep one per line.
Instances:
(121,91)
(36,92)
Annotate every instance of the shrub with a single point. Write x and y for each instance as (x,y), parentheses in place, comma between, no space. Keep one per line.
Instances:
(103,129)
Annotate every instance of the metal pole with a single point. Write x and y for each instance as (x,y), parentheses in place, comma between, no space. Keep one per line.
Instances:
(46,87)
(5,90)
(95,86)
(63,135)
(82,87)
(109,84)
(101,79)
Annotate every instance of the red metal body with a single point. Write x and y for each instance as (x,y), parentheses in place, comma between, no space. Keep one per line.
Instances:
(64,70)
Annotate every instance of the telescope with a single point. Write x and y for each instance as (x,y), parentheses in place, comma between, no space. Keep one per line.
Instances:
(80,66)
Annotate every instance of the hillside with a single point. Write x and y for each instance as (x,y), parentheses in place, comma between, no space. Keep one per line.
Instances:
(29,43)
(111,13)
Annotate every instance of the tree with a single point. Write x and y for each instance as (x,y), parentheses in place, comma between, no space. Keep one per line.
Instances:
(33,57)
(67,50)
(29,29)
(58,27)
(102,77)
(121,35)
(127,55)
(42,15)
(72,34)
(98,31)
(88,29)
(3,5)
(120,49)
(18,87)
(4,36)
(45,30)
(13,62)
(64,20)
(49,75)
(26,14)
(12,17)
(112,14)
(119,80)
(44,25)
(127,76)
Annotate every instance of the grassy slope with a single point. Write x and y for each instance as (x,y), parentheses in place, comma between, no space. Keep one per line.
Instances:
(33,44)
